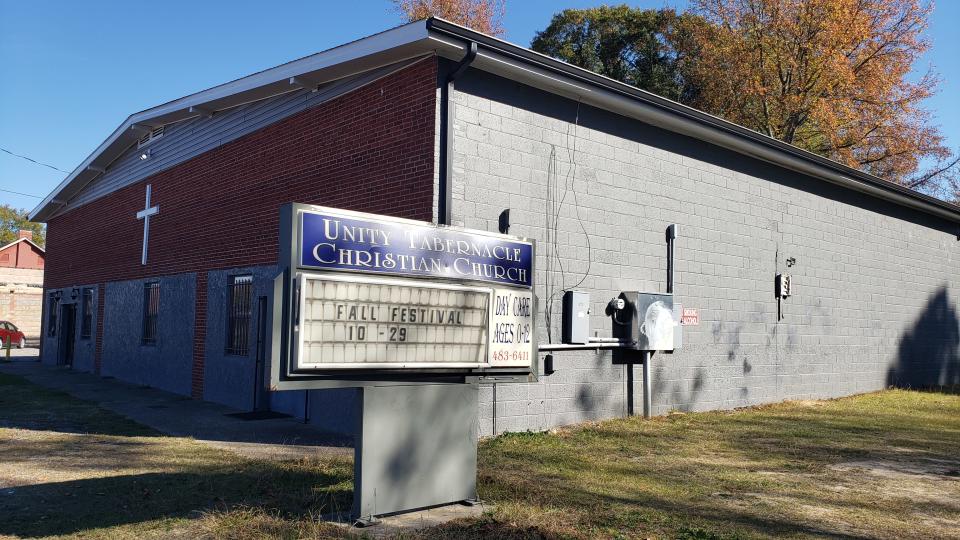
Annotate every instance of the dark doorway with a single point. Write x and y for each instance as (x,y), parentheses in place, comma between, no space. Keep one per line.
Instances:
(260,401)
(68,330)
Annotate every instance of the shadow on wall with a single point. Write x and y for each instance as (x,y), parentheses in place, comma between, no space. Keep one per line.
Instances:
(929,353)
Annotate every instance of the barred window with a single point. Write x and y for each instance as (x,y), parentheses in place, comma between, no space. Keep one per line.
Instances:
(53,306)
(238,314)
(151,310)
(86,323)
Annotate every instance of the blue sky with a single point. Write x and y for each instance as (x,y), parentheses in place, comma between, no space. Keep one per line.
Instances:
(71,72)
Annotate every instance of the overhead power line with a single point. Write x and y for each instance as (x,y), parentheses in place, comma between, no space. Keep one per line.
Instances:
(18,193)
(34,161)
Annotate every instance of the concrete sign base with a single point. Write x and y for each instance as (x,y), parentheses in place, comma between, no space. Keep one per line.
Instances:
(417,447)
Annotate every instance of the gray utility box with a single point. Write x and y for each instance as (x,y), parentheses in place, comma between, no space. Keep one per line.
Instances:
(647,321)
(576,317)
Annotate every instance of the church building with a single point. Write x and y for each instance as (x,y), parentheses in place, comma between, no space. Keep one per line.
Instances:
(436,123)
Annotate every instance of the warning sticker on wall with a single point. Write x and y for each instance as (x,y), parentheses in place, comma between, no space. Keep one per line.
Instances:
(690,317)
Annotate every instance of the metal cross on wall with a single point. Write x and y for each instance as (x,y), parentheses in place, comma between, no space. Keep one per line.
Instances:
(145,216)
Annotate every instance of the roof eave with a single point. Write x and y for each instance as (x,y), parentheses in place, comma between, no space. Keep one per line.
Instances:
(394,45)
(531,67)
(524,65)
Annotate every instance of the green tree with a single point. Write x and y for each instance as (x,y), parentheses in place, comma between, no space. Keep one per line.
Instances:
(13,220)
(646,48)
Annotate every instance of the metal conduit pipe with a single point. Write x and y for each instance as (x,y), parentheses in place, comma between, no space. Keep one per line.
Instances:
(605,340)
(444,191)
(584,347)
(647,390)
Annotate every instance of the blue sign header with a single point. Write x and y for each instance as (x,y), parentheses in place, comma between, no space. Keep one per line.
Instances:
(339,242)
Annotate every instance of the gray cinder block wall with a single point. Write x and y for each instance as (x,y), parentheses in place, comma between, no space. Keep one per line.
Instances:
(166,364)
(875,284)
(229,378)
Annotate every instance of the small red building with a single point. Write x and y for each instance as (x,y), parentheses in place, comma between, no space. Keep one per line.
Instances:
(21,284)
(22,253)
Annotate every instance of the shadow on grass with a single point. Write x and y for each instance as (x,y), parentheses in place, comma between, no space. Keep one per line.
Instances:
(948,389)
(80,454)
(81,505)
(184,479)
(24,405)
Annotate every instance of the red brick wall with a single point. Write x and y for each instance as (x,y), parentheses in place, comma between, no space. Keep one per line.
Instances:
(369,150)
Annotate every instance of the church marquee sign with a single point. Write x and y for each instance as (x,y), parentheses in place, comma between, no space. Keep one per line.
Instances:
(368,297)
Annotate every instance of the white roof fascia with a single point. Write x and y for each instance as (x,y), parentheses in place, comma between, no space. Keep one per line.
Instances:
(27,240)
(394,45)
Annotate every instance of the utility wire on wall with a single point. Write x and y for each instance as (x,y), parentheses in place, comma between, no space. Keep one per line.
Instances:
(553,218)
(576,201)
(551,239)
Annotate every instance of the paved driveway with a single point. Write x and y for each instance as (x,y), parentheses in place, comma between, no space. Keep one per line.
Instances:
(25,354)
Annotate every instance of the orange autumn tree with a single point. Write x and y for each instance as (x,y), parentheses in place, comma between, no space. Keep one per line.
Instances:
(481,15)
(830,76)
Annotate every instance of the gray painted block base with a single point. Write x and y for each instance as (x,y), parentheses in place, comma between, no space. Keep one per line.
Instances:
(417,448)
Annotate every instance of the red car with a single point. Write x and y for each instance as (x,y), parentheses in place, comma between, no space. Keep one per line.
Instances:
(10,334)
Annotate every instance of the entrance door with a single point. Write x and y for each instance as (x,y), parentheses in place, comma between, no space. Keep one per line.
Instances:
(68,327)
(260,401)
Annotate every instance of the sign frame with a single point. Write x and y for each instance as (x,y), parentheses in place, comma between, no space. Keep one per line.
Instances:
(286,297)
(303,277)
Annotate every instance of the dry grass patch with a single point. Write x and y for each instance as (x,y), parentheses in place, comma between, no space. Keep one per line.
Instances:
(882,465)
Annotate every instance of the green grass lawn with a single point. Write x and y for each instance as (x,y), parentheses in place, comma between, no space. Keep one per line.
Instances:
(882,465)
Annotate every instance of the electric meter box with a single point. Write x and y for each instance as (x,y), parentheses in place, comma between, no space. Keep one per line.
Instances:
(784,285)
(576,317)
(647,321)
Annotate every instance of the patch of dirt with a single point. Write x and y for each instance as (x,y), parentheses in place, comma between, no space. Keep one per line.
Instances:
(824,519)
(733,462)
(930,482)
(808,403)
(898,468)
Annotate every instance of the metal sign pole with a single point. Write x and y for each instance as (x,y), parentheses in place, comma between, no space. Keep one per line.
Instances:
(647,391)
